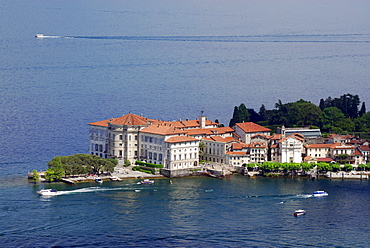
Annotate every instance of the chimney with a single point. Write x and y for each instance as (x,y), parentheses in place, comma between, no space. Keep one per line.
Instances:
(202,121)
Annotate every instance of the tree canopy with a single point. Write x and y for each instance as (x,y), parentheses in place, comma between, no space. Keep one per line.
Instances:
(79,164)
(335,115)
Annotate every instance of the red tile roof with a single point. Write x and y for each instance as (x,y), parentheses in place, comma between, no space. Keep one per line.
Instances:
(364,148)
(251,127)
(322,145)
(236,153)
(163,129)
(324,160)
(297,137)
(179,139)
(209,131)
(193,123)
(220,139)
(131,119)
(128,120)
(103,123)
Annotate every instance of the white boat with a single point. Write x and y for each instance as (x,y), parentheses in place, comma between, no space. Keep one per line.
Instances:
(299,212)
(47,192)
(146,181)
(98,180)
(39,36)
(114,178)
(319,193)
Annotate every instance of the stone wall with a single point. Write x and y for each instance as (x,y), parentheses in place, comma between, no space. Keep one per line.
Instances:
(179,173)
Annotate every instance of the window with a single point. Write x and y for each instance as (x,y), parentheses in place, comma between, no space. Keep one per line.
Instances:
(150,155)
(160,157)
(120,137)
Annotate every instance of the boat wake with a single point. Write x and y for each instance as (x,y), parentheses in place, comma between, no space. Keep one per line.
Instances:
(92,189)
(236,38)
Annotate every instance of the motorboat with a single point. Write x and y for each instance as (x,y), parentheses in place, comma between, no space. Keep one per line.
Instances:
(146,181)
(114,178)
(39,36)
(98,180)
(299,212)
(47,192)
(319,193)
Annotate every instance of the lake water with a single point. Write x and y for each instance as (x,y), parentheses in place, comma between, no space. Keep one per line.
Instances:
(169,60)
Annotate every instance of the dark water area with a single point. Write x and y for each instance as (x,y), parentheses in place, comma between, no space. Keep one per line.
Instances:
(202,212)
(170,60)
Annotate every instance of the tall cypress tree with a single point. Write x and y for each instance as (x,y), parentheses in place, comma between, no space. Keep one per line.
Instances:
(243,113)
(362,110)
(236,117)
(263,113)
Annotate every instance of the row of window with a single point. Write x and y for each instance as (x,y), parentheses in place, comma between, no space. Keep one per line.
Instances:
(184,156)
(150,139)
(99,147)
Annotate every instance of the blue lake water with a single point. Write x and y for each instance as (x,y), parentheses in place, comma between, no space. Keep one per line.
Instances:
(169,60)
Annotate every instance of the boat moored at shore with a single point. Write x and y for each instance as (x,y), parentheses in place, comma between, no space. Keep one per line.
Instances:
(98,180)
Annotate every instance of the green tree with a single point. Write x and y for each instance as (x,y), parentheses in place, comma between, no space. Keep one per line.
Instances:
(263,113)
(127,163)
(202,147)
(330,118)
(307,166)
(236,117)
(348,167)
(347,124)
(335,167)
(243,113)
(35,176)
(56,172)
(362,110)
(362,124)
(324,167)
(304,113)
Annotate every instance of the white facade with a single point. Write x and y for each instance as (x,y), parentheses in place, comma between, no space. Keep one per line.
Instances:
(291,149)
(182,154)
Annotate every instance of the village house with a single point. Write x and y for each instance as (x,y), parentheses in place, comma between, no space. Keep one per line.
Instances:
(246,130)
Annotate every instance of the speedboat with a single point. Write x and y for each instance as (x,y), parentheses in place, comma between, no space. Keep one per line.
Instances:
(319,193)
(39,36)
(47,192)
(299,212)
(146,181)
(98,180)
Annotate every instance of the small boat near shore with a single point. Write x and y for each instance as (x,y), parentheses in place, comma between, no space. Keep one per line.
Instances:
(146,181)
(114,178)
(47,192)
(98,180)
(319,193)
(299,212)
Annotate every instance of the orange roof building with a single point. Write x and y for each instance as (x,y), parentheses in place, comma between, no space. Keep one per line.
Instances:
(248,129)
